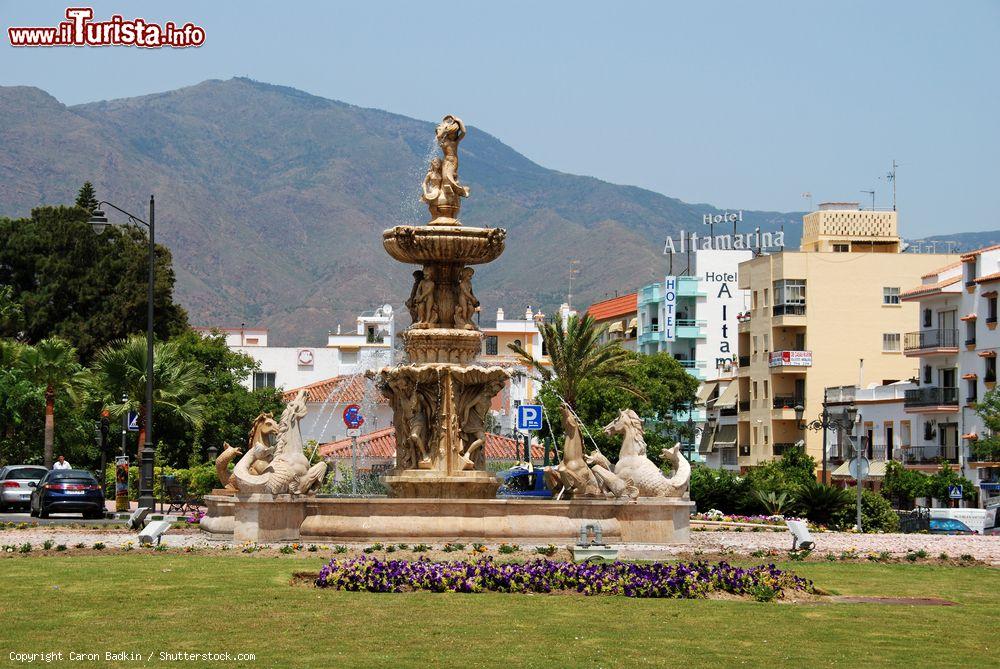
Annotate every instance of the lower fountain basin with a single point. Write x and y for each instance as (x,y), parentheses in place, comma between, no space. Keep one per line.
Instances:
(270,518)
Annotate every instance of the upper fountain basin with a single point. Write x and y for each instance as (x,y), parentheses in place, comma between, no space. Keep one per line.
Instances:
(444,244)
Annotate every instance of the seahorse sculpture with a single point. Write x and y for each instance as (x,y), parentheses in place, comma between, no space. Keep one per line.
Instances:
(633,463)
(263,425)
(584,475)
(289,470)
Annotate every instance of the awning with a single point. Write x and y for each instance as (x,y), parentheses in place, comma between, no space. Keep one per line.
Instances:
(876,470)
(968,317)
(970,376)
(728,396)
(705,391)
(987,354)
(725,436)
(617,326)
(989,293)
(971,436)
(633,324)
(707,443)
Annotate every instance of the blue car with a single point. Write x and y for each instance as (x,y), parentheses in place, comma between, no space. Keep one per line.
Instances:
(67,491)
(949,526)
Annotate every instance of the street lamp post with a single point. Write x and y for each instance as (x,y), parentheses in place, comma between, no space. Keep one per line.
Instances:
(146,456)
(826,422)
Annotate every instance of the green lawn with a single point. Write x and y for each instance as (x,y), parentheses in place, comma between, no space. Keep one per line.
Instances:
(151,602)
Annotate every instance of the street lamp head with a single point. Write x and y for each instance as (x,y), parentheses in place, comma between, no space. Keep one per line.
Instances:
(851,413)
(98,221)
(799,412)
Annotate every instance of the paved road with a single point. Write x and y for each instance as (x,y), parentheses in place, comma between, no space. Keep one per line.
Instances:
(55,519)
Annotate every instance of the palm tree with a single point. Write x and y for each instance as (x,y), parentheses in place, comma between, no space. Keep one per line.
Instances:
(576,355)
(120,372)
(52,363)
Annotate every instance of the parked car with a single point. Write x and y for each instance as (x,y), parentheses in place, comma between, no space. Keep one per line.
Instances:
(949,526)
(67,491)
(14,488)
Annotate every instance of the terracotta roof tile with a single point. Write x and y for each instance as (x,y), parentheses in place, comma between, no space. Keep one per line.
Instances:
(971,255)
(616,306)
(347,389)
(988,278)
(382,444)
(928,288)
(940,269)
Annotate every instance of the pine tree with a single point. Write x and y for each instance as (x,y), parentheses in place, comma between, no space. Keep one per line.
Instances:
(87,198)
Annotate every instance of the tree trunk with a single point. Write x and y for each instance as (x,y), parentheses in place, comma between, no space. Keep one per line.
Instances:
(50,425)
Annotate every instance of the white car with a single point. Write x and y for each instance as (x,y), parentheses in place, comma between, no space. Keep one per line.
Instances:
(14,484)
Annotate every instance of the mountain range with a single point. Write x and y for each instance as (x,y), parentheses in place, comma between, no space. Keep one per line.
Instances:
(273,200)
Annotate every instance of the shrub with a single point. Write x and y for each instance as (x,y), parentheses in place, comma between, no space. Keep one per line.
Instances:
(549,550)
(877,514)
(48,544)
(61,547)
(723,490)
(821,503)
(25,547)
(509,548)
(773,503)
(421,548)
(340,548)
(98,545)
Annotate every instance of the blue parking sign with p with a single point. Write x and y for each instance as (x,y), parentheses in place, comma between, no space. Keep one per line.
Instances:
(529,417)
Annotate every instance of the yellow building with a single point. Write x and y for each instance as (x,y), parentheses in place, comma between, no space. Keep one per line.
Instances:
(829,315)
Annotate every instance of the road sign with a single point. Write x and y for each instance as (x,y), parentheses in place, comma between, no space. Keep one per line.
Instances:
(353,417)
(354,432)
(955,492)
(133,421)
(529,417)
(864,466)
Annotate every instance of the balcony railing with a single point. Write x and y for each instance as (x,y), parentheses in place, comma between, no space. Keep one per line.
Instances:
(915,341)
(930,454)
(930,396)
(787,401)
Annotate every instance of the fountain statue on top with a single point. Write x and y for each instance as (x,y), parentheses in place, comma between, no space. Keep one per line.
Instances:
(440,397)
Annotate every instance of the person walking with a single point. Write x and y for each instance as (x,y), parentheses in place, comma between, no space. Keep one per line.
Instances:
(61,463)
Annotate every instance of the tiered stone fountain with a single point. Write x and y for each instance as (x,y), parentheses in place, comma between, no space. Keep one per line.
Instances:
(440,489)
(440,398)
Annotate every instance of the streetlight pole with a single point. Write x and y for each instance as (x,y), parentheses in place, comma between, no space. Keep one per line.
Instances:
(147,455)
(825,423)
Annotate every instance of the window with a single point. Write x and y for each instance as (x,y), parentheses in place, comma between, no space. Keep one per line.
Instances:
(755,440)
(991,316)
(755,299)
(790,297)
(970,333)
(990,373)
(890,342)
(349,356)
(767,343)
(973,392)
(928,318)
(904,433)
(263,380)
(765,388)
(890,295)
(754,344)
(765,297)
(491,345)
(928,374)
(841,248)
(754,390)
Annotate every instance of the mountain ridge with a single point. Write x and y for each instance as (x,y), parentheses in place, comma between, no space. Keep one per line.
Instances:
(273,200)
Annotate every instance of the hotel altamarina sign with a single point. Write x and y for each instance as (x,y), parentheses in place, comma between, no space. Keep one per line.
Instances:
(735,241)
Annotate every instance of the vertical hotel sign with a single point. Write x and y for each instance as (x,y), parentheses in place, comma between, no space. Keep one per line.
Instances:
(669,326)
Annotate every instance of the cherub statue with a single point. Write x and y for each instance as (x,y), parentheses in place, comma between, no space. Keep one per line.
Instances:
(441,189)
(411,304)
(474,423)
(423,299)
(467,301)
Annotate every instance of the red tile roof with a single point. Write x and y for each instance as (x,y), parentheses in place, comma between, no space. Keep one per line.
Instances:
(927,289)
(971,255)
(616,306)
(347,389)
(382,444)
(940,269)
(988,278)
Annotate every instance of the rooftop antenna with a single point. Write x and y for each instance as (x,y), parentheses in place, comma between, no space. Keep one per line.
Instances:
(872,193)
(950,243)
(891,176)
(573,271)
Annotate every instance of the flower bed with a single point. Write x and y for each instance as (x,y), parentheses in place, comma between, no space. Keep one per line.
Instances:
(683,580)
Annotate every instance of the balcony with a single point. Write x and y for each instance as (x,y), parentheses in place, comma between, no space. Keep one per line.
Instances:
(687,286)
(789,310)
(929,455)
(789,361)
(695,368)
(780,447)
(787,401)
(650,294)
(744,406)
(691,329)
(931,399)
(930,342)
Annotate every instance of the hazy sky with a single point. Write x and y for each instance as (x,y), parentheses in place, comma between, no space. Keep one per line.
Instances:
(738,104)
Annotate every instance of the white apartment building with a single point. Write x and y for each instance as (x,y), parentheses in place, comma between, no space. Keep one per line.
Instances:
(370,346)
(956,347)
